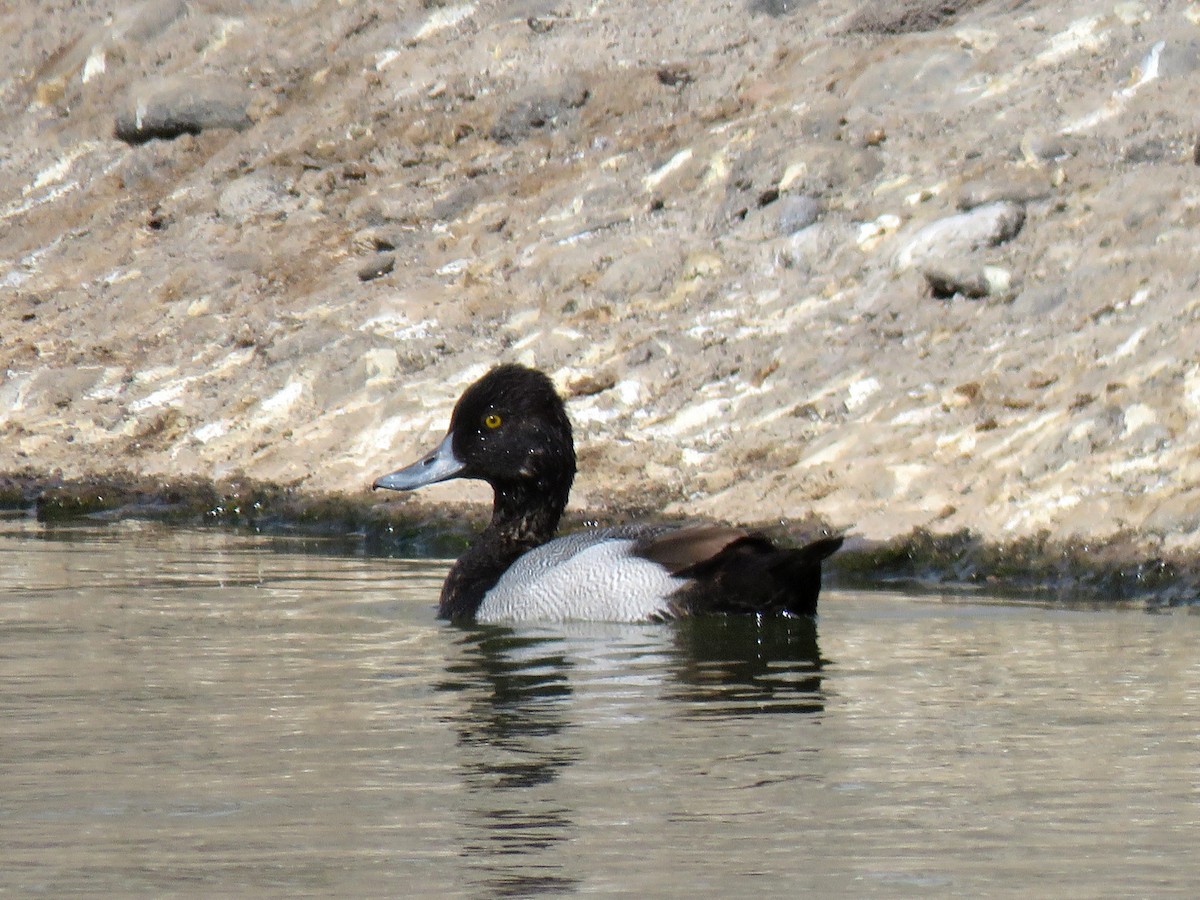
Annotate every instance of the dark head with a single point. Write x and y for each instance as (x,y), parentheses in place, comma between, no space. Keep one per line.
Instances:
(510,429)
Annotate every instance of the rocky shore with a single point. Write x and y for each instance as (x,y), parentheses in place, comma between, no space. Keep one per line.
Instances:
(923,272)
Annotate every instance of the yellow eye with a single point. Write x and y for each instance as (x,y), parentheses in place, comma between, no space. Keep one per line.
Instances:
(492,420)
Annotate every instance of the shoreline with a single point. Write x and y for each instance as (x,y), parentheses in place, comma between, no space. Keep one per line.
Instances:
(1117,572)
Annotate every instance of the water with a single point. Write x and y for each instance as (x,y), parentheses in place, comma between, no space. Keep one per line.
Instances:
(212,714)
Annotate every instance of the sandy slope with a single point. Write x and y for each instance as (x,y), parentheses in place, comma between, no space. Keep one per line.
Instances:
(741,235)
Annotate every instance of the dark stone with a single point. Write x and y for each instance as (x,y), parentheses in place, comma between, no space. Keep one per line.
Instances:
(675,76)
(167,110)
(378,267)
(950,279)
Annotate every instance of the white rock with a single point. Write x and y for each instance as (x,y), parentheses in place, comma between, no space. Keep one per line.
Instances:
(961,234)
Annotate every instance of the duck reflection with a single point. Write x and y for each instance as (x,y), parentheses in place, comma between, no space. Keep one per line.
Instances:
(530,695)
(513,733)
(517,688)
(746,665)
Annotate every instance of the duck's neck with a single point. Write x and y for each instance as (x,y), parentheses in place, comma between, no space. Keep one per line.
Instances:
(526,515)
(523,518)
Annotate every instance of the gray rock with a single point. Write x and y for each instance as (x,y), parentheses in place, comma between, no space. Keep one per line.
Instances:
(796,212)
(753,200)
(962,234)
(168,109)
(808,249)
(569,250)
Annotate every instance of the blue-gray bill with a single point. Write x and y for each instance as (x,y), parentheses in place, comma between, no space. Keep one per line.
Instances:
(440,465)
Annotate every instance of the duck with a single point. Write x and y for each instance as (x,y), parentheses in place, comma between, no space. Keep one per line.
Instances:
(511,430)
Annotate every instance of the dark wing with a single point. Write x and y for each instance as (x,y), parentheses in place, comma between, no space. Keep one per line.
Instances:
(730,570)
(682,548)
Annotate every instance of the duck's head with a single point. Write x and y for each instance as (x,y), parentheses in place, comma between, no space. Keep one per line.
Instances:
(510,429)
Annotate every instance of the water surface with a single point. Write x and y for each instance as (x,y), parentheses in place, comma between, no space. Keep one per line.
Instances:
(199,712)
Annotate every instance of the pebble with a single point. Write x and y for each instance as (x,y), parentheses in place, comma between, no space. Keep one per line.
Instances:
(378,267)
(589,384)
(1039,148)
(796,212)
(950,278)
(168,109)
(809,248)
(676,75)
(873,137)
(871,233)
(962,234)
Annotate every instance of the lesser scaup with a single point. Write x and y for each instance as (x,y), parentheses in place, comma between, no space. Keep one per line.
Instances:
(510,429)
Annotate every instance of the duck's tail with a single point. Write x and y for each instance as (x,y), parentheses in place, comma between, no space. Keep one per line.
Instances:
(753,575)
(800,572)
